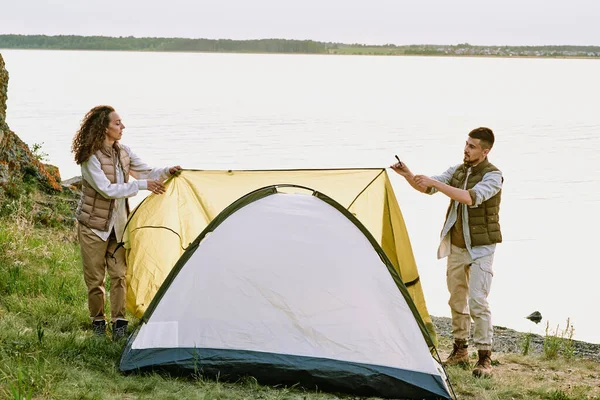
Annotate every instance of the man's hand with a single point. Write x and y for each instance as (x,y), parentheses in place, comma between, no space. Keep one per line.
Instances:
(156,187)
(401,169)
(175,170)
(424,181)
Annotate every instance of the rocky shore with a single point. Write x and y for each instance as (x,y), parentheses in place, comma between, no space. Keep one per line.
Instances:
(17,162)
(510,341)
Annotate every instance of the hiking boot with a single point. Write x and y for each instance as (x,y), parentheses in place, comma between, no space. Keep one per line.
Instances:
(459,355)
(99,327)
(483,368)
(119,329)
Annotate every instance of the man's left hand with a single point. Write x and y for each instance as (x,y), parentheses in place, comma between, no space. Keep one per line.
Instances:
(424,181)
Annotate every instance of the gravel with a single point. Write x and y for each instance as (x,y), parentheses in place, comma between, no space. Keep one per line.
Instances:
(510,341)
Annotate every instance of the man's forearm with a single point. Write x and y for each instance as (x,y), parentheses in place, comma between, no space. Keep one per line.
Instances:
(411,180)
(460,195)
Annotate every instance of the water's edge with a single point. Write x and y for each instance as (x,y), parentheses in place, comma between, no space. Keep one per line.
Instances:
(510,341)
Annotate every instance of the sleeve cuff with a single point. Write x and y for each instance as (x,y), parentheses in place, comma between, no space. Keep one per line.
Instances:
(166,174)
(473,198)
(142,185)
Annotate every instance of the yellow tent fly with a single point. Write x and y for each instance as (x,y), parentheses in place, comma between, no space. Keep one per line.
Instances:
(162,226)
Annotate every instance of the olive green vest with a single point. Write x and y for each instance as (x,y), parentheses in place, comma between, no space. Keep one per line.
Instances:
(95,211)
(484,220)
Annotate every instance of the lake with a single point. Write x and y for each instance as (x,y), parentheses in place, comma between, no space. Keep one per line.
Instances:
(258,111)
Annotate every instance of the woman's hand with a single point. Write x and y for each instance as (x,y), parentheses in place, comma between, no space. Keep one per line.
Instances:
(175,170)
(156,187)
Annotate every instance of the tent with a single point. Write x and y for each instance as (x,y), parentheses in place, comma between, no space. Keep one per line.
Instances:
(162,227)
(290,287)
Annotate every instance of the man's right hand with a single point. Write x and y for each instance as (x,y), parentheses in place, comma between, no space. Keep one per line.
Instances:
(401,169)
(156,187)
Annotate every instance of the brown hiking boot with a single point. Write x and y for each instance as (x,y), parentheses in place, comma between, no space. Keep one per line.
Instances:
(483,368)
(459,355)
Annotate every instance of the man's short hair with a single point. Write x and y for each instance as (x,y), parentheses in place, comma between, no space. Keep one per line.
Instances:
(485,136)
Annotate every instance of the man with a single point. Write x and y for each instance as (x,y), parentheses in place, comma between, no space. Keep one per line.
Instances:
(468,239)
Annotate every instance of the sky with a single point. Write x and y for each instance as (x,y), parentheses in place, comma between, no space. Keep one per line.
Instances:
(478,22)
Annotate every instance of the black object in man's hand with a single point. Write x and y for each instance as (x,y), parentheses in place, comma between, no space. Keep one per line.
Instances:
(399,162)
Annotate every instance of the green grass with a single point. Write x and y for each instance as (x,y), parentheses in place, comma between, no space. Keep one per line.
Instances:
(48,352)
(559,342)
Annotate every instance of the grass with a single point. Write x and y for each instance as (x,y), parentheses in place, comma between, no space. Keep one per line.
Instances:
(526,343)
(559,342)
(530,377)
(48,352)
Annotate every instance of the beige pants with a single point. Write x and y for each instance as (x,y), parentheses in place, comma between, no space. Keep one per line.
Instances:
(97,256)
(469,282)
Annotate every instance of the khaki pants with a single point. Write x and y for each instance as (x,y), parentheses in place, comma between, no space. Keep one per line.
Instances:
(469,282)
(97,256)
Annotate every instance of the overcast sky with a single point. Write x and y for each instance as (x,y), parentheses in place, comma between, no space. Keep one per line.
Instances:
(494,22)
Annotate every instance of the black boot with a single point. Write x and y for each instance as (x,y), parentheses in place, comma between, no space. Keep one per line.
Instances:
(99,327)
(119,329)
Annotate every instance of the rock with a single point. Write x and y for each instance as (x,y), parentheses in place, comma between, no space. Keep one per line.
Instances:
(17,162)
(74,182)
(72,186)
(3,90)
(535,316)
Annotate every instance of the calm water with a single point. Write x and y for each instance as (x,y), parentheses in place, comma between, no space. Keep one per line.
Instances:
(230,111)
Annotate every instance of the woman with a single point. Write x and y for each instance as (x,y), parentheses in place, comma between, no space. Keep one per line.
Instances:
(103,209)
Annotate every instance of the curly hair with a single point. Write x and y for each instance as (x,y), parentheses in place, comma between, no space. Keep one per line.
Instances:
(90,136)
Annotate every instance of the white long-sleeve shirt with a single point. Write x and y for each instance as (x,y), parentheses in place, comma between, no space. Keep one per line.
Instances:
(91,171)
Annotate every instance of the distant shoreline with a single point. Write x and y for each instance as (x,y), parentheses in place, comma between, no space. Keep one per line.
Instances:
(287,46)
(311,54)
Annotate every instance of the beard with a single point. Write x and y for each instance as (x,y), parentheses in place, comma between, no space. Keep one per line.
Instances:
(467,162)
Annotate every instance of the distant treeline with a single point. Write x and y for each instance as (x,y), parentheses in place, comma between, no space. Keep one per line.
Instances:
(73,42)
(159,44)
